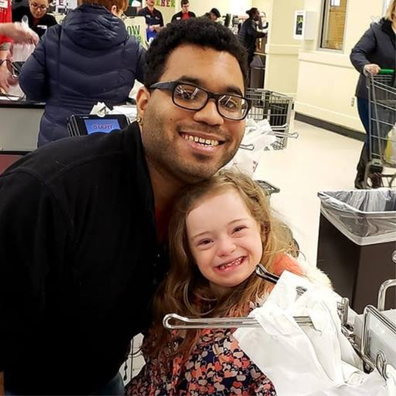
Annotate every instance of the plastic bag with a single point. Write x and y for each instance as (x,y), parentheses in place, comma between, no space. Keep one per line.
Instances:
(304,360)
(22,51)
(257,138)
(366,217)
(390,148)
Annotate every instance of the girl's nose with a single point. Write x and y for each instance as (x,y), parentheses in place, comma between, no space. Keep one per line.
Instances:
(226,247)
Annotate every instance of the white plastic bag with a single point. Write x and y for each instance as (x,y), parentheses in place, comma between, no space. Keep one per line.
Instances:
(257,138)
(390,148)
(22,51)
(300,360)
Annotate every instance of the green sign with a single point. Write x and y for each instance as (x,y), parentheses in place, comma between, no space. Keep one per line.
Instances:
(136,27)
(165,3)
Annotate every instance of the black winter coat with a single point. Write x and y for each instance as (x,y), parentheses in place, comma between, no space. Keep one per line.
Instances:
(89,58)
(378,46)
(248,36)
(79,262)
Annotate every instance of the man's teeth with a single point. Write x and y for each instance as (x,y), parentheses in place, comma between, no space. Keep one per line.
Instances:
(206,142)
(235,262)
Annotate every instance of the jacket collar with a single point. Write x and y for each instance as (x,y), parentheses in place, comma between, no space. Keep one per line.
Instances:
(386,27)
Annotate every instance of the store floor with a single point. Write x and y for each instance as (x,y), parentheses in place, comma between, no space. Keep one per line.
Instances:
(318,160)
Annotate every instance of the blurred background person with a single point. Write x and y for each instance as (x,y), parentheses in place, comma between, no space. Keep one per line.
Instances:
(213,14)
(263,23)
(88,58)
(154,19)
(11,32)
(36,14)
(185,12)
(248,34)
(376,50)
(5,44)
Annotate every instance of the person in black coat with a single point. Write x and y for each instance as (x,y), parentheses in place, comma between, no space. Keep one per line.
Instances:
(213,14)
(36,14)
(248,33)
(184,13)
(89,58)
(376,50)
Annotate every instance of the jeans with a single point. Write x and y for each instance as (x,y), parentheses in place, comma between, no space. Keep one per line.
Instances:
(363,110)
(115,387)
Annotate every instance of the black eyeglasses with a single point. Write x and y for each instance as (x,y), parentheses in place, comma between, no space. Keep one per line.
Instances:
(191,97)
(42,7)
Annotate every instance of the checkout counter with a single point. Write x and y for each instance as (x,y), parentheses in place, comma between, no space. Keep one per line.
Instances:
(19,124)
(19,127)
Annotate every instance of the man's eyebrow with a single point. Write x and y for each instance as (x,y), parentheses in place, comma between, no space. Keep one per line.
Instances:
(231,89)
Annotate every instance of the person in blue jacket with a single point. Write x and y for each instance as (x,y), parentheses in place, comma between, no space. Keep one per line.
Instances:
(88,58)
(376,50)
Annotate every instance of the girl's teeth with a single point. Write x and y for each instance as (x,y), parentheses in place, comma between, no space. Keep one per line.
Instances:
(235,262)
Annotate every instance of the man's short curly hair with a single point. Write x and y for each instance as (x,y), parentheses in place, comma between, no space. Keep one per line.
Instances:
(195,31)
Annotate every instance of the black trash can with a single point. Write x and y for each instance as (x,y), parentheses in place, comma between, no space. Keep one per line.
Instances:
(257,72)
(357,243)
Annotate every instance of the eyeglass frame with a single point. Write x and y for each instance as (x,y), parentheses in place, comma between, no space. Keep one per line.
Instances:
(171,86)
(41,7)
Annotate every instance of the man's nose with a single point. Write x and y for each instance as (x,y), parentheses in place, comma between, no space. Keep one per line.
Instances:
(209,114)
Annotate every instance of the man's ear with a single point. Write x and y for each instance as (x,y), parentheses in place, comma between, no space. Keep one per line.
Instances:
(142,101)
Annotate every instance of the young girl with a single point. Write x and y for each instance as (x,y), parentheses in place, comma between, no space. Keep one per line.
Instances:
(220,230)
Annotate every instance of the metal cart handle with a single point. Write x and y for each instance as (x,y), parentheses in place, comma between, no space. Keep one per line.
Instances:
(224,323)
(382,293)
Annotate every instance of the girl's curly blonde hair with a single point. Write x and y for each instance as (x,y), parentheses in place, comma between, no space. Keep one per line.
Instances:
(185,291)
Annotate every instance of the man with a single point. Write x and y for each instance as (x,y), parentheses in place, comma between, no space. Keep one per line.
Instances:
(83,220)
(184,13)
(154,19)
(8,32)
(213,14)
(248,33)
(36,13)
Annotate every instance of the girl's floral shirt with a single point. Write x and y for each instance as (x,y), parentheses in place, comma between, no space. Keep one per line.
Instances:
(216,366)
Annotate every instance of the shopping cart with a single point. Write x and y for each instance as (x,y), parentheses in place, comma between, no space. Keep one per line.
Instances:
(382,129)
(274,107)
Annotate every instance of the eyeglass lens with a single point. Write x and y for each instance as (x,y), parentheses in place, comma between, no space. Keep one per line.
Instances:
(194,98)
(40,6)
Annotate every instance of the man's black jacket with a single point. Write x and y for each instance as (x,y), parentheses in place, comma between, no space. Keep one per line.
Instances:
(79,262)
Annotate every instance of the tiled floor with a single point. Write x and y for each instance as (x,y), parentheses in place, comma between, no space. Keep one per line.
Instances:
(318,160)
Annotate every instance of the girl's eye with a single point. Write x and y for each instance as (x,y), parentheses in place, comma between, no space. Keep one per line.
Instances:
(239,228)
(204,242)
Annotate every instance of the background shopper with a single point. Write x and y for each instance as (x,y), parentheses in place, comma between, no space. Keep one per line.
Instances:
(248,34)
(376,50)
(11,32)
(213,14)
(185,12)
(154,19)
(36,14)
(89,58)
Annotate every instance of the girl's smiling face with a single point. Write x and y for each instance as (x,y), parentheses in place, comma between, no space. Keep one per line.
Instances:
(224,239)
